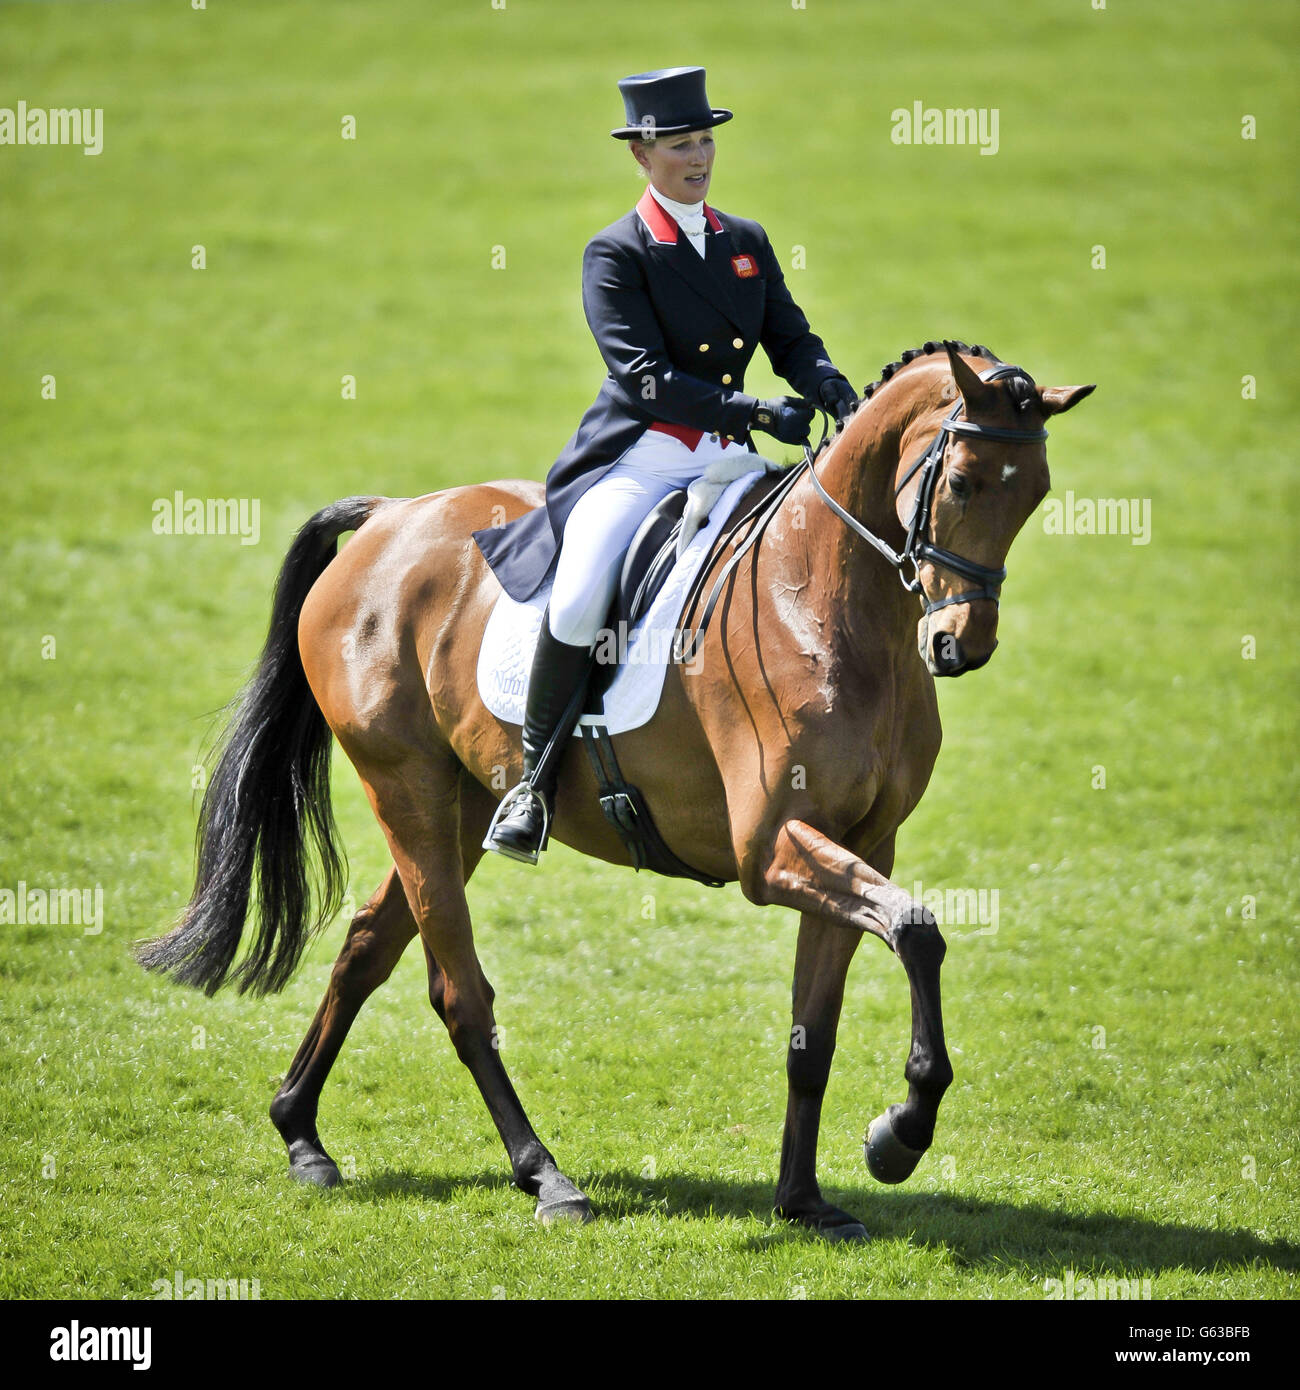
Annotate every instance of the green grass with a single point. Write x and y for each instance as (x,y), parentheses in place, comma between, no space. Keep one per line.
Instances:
(649,1053)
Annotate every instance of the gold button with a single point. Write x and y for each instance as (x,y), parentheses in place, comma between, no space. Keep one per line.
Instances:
(704,347)
(737,342)
(726,378)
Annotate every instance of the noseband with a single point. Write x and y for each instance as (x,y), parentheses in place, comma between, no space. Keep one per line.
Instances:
(919,549)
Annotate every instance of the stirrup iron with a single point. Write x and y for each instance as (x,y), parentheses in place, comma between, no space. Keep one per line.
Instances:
(523,791)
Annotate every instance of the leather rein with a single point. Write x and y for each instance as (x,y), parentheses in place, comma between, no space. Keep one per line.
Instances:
(918,548)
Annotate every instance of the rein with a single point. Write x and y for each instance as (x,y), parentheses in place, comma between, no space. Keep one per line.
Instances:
(918,548)
(760,513)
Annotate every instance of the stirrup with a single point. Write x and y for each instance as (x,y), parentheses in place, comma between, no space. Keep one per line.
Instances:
(525,790)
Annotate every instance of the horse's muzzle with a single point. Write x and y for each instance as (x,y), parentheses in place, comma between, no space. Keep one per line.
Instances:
(947,657)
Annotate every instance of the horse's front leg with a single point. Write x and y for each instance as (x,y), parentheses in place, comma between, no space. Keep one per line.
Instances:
(821,964)
(808,871)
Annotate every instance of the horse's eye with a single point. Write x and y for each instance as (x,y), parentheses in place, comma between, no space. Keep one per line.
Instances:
(959,486)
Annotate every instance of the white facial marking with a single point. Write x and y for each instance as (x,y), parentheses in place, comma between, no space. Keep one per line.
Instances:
(1008,471)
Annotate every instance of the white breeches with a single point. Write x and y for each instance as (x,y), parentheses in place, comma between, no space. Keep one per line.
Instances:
(603,521)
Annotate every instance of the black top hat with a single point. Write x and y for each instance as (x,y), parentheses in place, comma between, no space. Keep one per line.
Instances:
(666,102)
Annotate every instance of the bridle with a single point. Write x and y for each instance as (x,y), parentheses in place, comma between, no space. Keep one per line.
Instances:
(918,548)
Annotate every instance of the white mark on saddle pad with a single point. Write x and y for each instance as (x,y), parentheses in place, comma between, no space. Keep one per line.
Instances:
(505,657)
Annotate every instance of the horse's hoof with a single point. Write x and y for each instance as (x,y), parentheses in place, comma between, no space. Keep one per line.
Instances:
(315,1167)
(888,1158)
(840,1227)
(317,1174)
(569,1211)
(828,1222)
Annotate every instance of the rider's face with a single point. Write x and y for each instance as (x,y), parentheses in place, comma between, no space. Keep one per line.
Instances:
(679,166)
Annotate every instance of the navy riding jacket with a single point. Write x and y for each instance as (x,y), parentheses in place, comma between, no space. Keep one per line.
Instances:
(677,332)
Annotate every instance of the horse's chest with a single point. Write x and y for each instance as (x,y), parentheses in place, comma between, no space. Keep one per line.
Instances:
(866,747)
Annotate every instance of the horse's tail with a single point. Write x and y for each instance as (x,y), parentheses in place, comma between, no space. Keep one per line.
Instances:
(269,795)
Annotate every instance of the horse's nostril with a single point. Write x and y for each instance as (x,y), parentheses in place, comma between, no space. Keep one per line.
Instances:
(949,659)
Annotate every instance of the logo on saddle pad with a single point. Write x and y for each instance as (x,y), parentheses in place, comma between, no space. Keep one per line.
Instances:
(744,266)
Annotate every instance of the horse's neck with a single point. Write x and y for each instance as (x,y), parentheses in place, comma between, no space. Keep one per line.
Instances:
(865,602)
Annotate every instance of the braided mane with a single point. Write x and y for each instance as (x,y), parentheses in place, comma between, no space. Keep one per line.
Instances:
(1020,387)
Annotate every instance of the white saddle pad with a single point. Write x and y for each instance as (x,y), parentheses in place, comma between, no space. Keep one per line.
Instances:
(505,658)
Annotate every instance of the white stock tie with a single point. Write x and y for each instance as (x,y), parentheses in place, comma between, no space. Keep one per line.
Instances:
(688,216)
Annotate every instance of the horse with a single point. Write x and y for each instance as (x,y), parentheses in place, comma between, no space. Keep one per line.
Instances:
(803,734)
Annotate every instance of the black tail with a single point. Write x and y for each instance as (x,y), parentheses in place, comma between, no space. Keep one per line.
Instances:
(270,794)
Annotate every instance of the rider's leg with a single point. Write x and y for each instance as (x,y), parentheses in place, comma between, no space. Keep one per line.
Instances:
(597,534)
(559,672)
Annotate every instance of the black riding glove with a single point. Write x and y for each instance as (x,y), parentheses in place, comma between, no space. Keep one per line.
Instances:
(786,417)
(838,397)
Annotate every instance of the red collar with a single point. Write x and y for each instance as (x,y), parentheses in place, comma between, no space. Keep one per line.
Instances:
(661,226)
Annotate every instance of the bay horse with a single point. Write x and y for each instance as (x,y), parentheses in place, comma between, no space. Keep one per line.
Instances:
(803,734)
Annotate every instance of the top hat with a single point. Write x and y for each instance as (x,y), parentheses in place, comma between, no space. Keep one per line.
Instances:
(666,102)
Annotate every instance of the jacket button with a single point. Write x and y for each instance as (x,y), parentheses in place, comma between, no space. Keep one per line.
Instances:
(726,378)
(737,342)
(713,439)
(704,347)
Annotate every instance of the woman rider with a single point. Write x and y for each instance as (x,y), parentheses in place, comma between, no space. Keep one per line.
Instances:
(678,297)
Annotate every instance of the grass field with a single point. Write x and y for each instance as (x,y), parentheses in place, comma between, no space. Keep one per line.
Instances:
(1126,1095)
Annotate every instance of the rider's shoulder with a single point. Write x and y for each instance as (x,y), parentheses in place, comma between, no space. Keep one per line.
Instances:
(745,232)
(620,234)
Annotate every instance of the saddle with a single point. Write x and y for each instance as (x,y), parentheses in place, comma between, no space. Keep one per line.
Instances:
(646,566)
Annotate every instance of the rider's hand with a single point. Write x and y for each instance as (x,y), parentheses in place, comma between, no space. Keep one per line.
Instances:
(786,417)
(838,397)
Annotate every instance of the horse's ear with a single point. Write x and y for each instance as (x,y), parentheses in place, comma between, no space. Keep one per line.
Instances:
(1056,400)
(973,391)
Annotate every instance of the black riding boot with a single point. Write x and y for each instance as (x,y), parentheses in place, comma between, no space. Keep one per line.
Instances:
(560,671)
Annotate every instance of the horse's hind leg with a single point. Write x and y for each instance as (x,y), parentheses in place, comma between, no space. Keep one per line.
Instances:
(378,935)
(419,802)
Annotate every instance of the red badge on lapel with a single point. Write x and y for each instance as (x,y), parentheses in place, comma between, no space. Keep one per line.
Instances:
(744,266)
